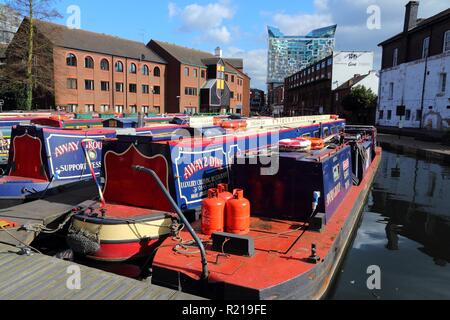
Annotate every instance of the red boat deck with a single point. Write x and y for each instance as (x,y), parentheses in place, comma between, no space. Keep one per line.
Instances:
(270,266)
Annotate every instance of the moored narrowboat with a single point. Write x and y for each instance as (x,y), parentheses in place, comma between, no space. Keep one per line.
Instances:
(300,222)
(197,159)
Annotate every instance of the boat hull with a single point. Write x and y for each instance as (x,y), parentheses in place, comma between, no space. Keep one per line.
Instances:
(124,239)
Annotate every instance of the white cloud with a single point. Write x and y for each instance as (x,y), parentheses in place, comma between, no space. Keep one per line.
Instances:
(208,20)
(301,24)
(173,10)
(255,64)
(220,34)
(321,5)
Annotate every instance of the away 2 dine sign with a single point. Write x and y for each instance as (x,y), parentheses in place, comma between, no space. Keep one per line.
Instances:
(199,171)
(67,160)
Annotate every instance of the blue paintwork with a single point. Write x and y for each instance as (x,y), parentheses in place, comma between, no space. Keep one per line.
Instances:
(62,156)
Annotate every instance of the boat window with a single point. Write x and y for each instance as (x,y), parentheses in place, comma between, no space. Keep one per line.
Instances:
(334,130)
(307,135)
(326,132)
(316,134)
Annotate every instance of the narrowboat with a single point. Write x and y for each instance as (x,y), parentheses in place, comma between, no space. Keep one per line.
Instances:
(42,159)
(282,235)
(133,215)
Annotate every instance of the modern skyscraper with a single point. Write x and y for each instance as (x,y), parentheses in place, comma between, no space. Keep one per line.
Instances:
(289,54)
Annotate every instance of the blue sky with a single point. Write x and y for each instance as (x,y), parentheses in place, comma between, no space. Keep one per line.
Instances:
(239,27)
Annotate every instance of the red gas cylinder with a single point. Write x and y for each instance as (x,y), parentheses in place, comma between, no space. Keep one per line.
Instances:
(237,214)
(223,192)
(213,213)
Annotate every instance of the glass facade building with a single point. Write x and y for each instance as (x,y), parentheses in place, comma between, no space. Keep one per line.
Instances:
(289,54)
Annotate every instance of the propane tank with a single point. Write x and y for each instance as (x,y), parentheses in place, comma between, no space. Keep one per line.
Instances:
(223,192)
(237,214)
(213,213)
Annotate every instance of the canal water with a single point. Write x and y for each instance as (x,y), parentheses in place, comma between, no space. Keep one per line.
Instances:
(405,232)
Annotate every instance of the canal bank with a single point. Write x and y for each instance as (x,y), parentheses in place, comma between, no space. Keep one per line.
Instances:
(409,145)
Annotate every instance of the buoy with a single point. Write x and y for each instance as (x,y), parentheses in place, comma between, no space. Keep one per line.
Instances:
(237,214)
(291,145)
(213,213)
(316,143)
(223,192)
(235,125)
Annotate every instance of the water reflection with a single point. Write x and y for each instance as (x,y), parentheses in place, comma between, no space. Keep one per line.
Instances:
(405,231)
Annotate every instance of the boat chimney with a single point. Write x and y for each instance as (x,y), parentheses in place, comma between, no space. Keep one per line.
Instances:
(412,11)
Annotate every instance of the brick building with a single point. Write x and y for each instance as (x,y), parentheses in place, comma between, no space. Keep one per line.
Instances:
(100,73)
(257,100)
(414,75)
(191,72)
(310,91)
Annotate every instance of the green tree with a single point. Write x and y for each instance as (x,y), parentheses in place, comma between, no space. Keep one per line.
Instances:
(361,104)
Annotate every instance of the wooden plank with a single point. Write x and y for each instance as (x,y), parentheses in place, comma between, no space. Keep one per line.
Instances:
(40,277)
(44,212)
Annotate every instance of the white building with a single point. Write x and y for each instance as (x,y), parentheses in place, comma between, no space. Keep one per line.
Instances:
(414,80)
(422,87)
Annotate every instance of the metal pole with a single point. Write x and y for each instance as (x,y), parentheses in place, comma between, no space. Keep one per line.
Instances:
(186,223)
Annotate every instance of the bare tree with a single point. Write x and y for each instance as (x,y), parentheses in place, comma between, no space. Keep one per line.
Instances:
(24,69)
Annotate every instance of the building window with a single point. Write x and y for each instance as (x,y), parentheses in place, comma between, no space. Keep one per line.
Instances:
(186,71)
(118,109)
(157,72)
(190,91)
(119,87)
(89,63)
(133,109)
(226,77)
(408,115)
(447,41)
(89,108)
(337,96)
(145,89)
(72,108)
(419,115)
(391,91)
(71,60)
(104,65)
(190,110)
(389,115)
(156,109)
(89,84)
(145,70)
(203,73)
(395,57)
(72,84)
(104,108)
(442,83)
(232,78)
(104,85)
(195,73)
(232,95)
(133,88)
(156,90)
(145,109)
(425,47)
(381,115)
(119,66)
(133,68)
